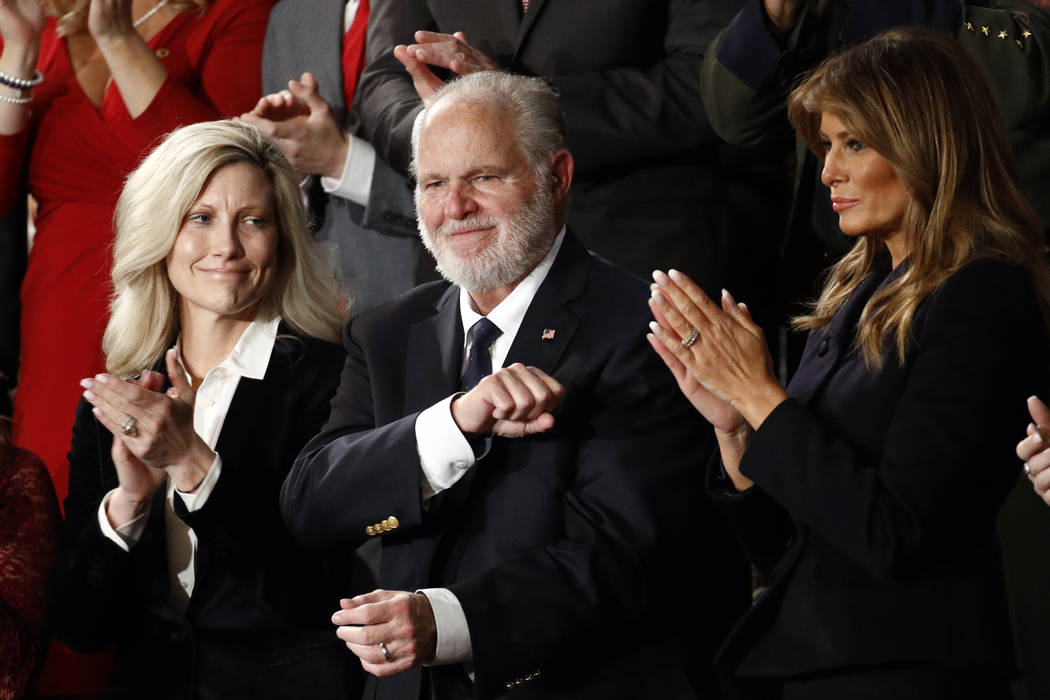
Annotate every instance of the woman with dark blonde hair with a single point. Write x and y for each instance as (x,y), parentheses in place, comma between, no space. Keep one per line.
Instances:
(867,492)
(221,359)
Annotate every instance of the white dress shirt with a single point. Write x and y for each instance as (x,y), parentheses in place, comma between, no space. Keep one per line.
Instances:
(445,455)
(356,181)
(249,358)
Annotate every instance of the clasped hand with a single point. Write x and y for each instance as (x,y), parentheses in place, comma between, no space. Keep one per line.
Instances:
(726,372)
(163,440)
(403,622)
(512,402)
(449,51)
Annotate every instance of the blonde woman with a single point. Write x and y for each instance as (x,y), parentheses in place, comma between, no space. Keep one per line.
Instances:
(87,87)
(173,546)
(867,492)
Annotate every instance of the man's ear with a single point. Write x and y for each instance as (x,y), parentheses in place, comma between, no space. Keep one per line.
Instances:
(562,167)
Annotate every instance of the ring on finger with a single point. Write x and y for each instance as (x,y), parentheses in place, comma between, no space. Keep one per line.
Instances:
(1027,470)
(128,427)
(386,652)
(688,342)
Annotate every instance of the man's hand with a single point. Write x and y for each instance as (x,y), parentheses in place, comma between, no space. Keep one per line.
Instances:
(512,402)
(301,123)
(402,622)
(450,51)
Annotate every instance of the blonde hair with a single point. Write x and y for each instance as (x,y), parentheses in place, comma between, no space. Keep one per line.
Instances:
(73,14)
(920,100)
(156,197)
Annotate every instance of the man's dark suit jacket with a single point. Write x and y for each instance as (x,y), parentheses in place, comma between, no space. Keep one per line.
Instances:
(651,188)
(561,547)
(877,489)
(258,622)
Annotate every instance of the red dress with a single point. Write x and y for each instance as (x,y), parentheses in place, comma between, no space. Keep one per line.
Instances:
(28,532)
(79,156)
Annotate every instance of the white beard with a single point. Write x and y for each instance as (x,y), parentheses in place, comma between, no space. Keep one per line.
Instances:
(523,239)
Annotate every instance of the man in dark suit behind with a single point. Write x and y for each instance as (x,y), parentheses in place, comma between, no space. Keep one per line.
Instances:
(532,521)
(654,188)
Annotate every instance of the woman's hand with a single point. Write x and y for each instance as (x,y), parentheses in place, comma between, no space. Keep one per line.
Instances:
(21,23)
(1034,450)
(718,412)
(108,19)
(163,436)
(728,357)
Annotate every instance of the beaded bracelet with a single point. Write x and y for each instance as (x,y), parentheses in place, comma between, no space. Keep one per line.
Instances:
(17,100)
(21,83)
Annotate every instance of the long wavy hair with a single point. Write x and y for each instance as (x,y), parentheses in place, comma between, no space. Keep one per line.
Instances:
(144,316)
(920,100)
(73,14)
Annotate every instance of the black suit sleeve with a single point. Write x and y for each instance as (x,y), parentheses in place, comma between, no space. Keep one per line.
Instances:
(947,461)
(341,459)
(92,586)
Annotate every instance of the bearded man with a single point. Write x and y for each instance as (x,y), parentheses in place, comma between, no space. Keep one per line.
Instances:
(530,517)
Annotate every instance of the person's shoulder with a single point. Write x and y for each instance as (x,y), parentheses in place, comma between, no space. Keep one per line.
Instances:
(988,276)
(415,304)
(303,350)
(986,291)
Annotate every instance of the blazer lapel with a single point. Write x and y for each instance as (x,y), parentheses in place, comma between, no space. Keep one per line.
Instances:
(242,419)
(824,349)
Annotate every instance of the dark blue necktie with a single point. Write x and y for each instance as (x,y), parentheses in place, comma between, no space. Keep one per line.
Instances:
(479,360)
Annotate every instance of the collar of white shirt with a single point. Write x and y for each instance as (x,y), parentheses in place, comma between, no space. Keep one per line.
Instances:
(509,313)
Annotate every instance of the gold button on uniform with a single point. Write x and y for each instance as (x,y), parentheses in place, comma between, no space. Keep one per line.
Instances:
(393,522)
(370,530)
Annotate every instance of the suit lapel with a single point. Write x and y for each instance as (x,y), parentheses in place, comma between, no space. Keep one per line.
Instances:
(434,350)
(549,324)
(311,39)
(527,22)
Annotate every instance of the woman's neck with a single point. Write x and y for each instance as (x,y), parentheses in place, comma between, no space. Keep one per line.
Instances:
(205,342)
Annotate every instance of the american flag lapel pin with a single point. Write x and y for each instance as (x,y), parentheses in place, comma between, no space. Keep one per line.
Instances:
(548,334)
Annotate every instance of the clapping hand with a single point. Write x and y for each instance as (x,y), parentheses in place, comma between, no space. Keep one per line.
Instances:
(449,51)
(301,123)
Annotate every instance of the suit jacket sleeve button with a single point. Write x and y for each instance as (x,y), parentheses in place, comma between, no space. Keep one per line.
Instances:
(823,349)
(370,530)
(393,521)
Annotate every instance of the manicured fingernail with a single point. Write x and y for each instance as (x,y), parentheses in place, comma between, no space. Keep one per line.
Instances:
(89,396)
(97,411)
(101,378)
(660,277)
(654,326)
(658,297)
(675,275)
(87,383)
(1037,438)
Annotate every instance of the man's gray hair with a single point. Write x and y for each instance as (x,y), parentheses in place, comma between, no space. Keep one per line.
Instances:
(534,103)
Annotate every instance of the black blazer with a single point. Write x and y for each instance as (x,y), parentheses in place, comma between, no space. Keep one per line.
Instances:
(877,489)
(556,545)
(258,622)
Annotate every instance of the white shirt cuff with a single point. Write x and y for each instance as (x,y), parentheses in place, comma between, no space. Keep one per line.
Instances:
(127,535)
(197,499)
(355,183)
(450,625)
(444,453)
